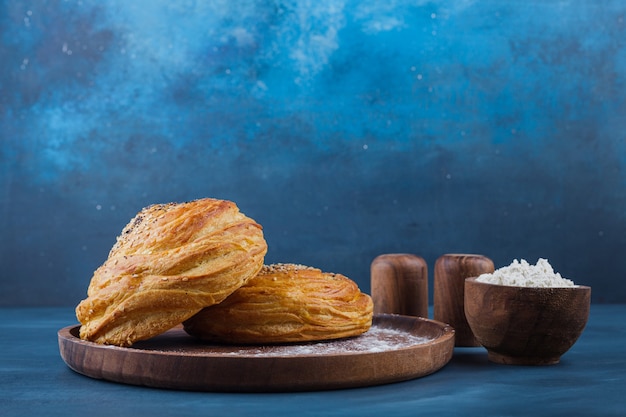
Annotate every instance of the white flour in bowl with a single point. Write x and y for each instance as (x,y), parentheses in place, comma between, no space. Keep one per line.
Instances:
(522,274)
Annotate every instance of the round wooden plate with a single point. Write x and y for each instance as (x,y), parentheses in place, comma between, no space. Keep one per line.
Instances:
(396,348)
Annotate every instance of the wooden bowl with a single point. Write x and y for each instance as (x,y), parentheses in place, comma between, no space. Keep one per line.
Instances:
(526,325)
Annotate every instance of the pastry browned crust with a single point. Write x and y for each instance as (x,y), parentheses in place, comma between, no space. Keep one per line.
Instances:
(169,262)
(286,303)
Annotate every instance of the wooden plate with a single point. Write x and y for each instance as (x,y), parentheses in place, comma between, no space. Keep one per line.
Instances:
(396,348)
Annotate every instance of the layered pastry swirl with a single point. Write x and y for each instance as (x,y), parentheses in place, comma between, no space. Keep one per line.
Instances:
(286,303)
(170,261)
(201,263)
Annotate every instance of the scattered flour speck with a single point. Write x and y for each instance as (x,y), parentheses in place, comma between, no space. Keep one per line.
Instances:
(377,339)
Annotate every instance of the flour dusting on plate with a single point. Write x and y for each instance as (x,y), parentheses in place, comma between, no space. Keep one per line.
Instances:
(376,339)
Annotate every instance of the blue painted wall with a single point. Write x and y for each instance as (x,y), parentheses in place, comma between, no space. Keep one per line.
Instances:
(346,128)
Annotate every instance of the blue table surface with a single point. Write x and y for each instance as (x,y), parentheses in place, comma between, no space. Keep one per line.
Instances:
(589,380)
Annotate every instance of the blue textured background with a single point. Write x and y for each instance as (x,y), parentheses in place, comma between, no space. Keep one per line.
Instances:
(346,128)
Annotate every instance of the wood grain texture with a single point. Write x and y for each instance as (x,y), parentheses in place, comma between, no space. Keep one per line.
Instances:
(175,360)
(526,325)
(451,270)
(399,285)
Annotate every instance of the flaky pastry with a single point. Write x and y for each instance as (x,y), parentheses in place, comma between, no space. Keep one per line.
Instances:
(286,303)
(169,262)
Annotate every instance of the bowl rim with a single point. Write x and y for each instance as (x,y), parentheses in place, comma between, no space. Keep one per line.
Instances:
(518,287)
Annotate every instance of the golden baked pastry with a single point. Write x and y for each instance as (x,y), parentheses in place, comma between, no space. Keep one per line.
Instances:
(286,303)
(169,262)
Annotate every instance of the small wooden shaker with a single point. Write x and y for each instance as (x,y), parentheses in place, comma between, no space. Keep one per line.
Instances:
(399,284)
(449,291)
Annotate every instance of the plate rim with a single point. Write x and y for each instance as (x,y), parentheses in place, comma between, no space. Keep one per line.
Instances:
(72,347)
